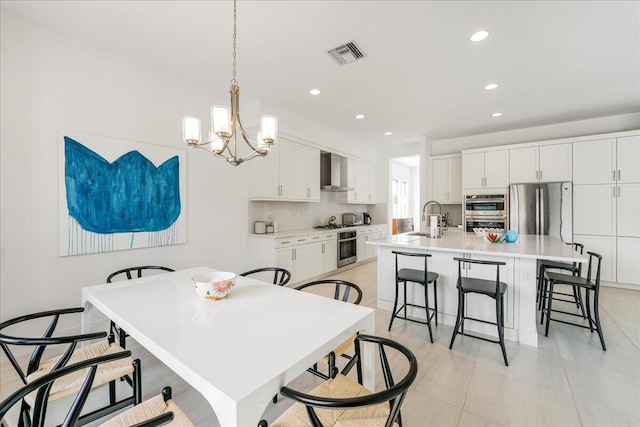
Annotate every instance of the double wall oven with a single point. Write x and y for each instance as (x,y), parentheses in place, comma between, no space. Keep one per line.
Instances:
(485,210)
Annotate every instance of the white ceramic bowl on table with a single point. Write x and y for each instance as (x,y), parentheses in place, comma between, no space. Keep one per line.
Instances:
(214,285)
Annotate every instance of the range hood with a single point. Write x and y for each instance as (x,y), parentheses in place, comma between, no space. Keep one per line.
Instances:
(332,169)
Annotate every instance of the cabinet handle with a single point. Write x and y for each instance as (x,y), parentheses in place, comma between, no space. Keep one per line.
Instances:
(613,191)
(323,248)
(293,254)
(618,191)
(613,177)
(618,174)
(285,243)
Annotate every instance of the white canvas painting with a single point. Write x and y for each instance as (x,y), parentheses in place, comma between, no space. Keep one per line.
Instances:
(117,194)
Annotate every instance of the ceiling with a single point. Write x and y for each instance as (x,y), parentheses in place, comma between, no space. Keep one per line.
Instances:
(554,61)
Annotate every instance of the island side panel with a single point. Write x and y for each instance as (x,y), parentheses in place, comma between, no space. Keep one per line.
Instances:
(478,306)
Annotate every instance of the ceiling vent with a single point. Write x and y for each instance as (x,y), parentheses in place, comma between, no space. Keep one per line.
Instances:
(347,53)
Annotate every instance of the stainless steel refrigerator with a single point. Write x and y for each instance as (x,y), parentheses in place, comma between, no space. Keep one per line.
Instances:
(544,209)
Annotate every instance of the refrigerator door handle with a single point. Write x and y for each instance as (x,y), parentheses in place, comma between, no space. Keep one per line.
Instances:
(537,210)
(543,209)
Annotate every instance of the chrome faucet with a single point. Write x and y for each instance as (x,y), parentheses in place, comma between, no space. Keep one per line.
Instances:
(431,202)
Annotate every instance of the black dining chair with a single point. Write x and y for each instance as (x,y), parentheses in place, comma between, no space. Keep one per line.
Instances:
(126,274)
(34,398)
(343,291)
(345,401)
(94,344)
(281,276)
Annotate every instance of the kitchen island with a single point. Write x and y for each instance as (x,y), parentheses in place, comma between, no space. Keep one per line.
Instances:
(519,273)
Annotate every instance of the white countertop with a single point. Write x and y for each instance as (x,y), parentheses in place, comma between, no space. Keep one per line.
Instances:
(305,231)
(527,246)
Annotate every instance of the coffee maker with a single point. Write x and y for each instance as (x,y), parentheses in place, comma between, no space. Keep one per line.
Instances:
(367,218)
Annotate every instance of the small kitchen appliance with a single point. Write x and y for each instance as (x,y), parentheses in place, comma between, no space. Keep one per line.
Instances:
(366,218)
(354,218)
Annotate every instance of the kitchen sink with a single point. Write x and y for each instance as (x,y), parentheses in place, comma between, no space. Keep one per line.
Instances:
(420,233)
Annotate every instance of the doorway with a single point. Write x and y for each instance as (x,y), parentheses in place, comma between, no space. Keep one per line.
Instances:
(404,194)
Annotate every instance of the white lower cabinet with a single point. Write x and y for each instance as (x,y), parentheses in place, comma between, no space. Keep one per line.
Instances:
(628,270)
(305,256)
(364,234)
(329,253)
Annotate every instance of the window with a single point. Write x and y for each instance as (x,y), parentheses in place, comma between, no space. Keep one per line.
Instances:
(400,197)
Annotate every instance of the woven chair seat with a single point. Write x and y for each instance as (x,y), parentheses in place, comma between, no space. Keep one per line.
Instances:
(341,349)
(70,384)
(149,409)
(338,387)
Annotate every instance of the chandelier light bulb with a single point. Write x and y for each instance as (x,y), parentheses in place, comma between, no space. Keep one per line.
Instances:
(217,144)
(268,128)
(220,121)
(191,130)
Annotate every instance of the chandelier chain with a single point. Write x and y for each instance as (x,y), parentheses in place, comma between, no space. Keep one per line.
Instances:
(233,76)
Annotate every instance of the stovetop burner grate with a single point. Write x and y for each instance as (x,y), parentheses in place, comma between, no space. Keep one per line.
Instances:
(331,227)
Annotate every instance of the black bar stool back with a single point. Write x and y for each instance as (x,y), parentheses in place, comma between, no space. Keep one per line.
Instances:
(552,279)
(421,277)
(574,268)
(493,289)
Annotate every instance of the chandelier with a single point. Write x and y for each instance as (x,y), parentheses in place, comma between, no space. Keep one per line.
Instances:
(226,125)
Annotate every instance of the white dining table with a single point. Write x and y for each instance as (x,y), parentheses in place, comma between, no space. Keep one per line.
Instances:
(238,351)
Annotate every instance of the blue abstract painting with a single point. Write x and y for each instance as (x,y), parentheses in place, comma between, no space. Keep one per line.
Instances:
(129,202)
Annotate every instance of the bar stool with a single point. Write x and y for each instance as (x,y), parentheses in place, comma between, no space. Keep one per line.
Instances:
(552,279)
(494,289)
(574,268)
(421,277)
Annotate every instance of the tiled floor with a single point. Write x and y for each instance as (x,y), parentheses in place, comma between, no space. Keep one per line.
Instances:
(567,381)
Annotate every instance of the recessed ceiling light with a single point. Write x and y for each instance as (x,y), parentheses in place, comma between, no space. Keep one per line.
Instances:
(496,115)
(491,86)
(388,133)
(359,116)
(479,36)
(314,91)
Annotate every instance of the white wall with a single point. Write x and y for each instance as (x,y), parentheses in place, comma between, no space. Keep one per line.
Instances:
(296,216)
(50,82)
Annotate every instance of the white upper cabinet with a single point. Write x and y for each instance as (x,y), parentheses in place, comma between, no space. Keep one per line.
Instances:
(307,173)
(628,159)
(488,169)
(361,177)
(446,179)
(594,162)
(524,165)
(290,172)
(555,163)
(545,163)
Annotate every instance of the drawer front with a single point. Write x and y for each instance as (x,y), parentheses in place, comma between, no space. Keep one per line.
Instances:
(314,238)
(284,242)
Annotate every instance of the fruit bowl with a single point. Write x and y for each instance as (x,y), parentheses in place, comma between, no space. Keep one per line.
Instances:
(495,235)
(480,232)
(213,285)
